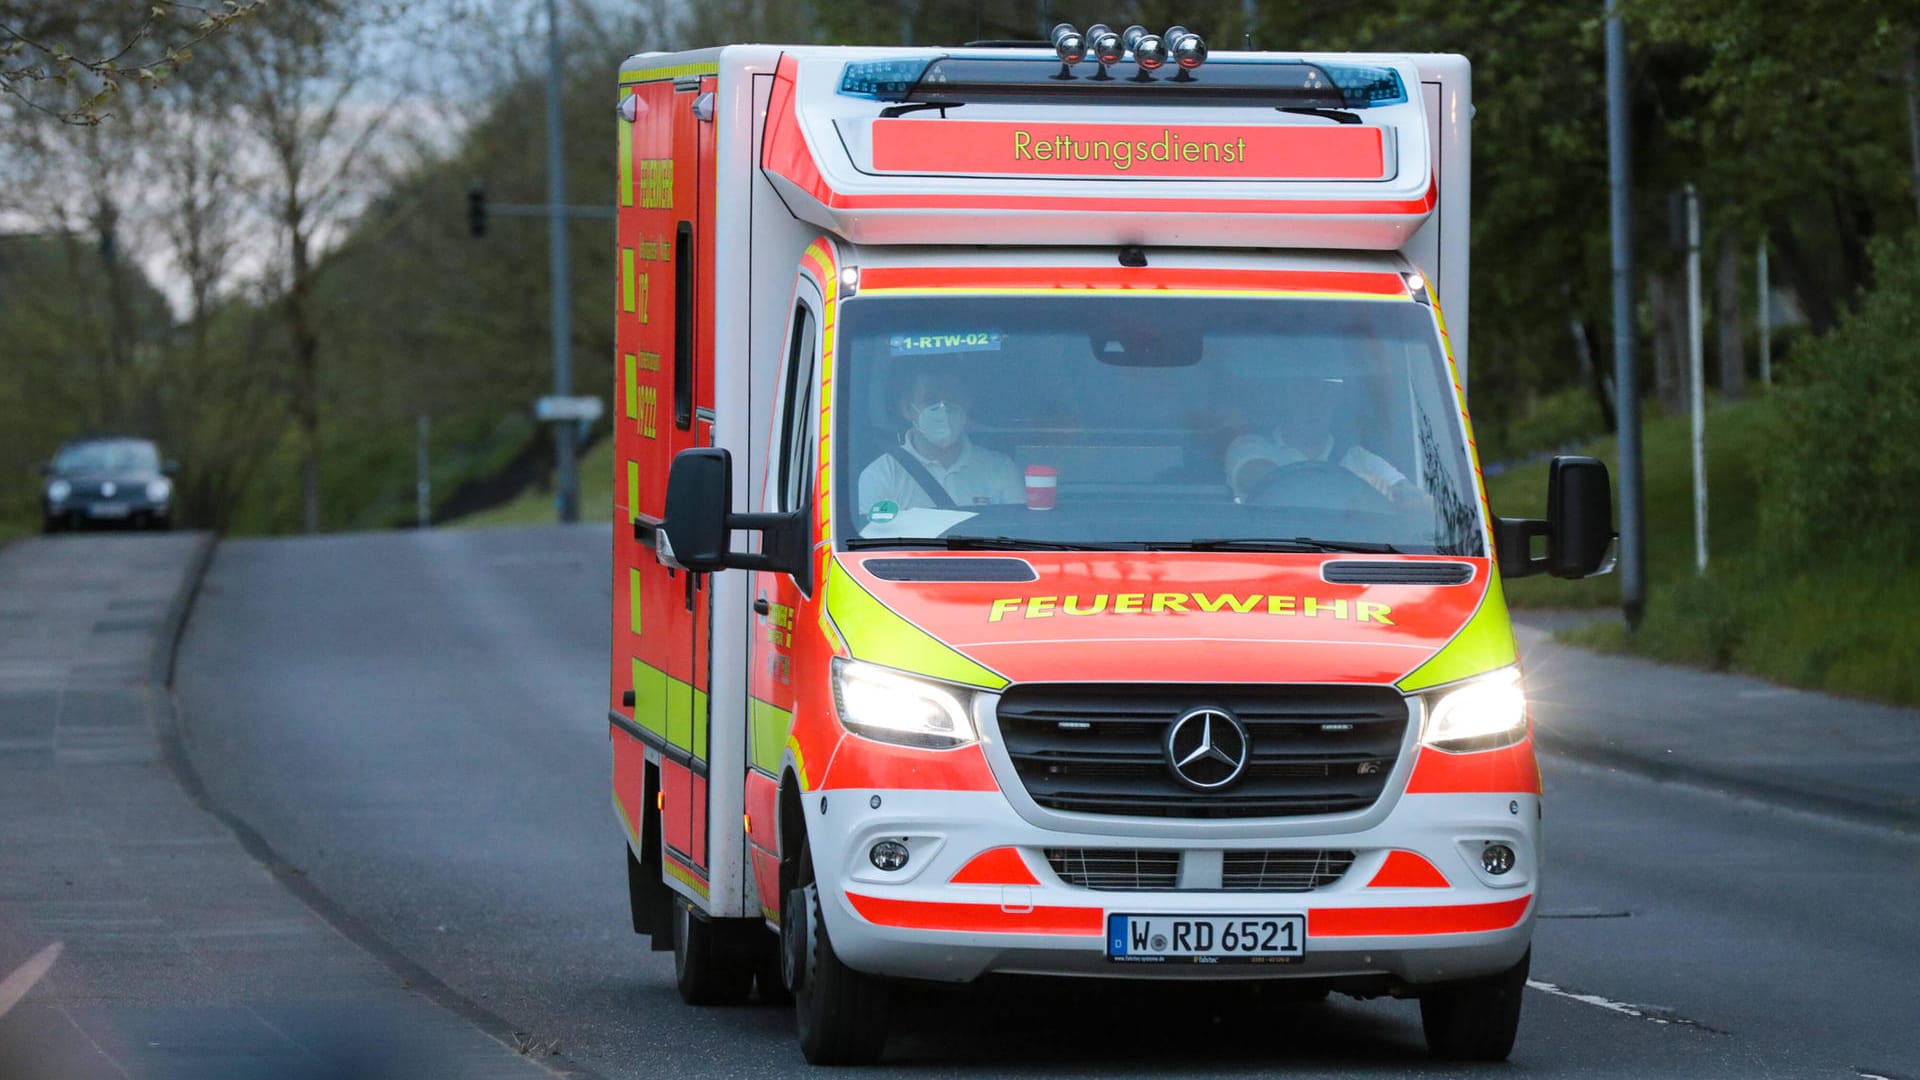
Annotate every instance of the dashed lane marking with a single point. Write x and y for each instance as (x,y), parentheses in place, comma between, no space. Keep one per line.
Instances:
(1648,1013)
(15,986)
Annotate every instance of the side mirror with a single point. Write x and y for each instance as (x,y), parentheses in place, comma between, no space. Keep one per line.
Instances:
(1578,528)
(696,533)
(170,468)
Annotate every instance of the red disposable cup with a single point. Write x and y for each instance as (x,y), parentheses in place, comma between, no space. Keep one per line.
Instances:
(1043,484)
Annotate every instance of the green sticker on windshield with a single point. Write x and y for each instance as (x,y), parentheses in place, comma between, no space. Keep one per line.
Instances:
(884,510)
(925,344)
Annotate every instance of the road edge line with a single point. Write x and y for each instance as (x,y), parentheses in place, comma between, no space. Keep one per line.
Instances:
(167,717)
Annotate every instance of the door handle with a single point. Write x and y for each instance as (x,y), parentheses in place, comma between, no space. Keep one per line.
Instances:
(761,607)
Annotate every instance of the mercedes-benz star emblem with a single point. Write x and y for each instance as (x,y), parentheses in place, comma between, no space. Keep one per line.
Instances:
(1207,749)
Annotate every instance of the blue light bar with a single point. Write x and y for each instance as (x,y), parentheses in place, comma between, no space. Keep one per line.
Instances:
(1364,87)
(883,80)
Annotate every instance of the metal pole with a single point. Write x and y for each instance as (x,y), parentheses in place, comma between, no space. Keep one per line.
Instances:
(1697,389)
(566,493)
(1765,317)
(423,486)
(1626,375)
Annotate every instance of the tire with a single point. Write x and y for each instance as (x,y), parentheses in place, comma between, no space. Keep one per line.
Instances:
(842,1012)
(712,961)
(1476,1021)
(769,977)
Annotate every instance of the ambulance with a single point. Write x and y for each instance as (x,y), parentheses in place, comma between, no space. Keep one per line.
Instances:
(1049,536)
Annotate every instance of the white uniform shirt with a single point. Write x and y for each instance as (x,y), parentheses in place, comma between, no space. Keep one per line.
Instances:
(977,477)
(1357,460)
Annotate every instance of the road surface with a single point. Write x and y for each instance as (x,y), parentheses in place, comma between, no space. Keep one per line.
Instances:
(415,722)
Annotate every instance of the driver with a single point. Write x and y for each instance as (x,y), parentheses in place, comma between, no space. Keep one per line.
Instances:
(935,449)
(1305,433)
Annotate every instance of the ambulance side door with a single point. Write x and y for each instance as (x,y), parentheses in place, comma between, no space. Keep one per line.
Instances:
(776,596)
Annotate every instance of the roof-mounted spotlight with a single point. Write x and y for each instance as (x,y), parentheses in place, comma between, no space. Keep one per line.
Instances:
(1105,47)
(1069,43)
(1187,50)
(1149,52)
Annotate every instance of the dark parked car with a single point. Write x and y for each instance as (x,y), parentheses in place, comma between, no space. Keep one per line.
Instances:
(107,480)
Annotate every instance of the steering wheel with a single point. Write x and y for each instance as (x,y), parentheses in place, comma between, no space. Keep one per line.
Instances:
(1323,483)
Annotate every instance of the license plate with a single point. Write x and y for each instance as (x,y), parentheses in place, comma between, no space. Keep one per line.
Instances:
(1206,939)
(107,510)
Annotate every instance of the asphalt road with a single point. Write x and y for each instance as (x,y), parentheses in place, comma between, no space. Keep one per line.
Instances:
(415,722)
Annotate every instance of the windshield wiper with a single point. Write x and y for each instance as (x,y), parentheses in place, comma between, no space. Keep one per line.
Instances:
(976,543)
(1297,543)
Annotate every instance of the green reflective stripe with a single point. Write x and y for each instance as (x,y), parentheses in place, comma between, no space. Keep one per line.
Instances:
(650,698)
(633,491)
(1483,644)
(874,633)
(627,297)
(770,725)
(678,71)
(670,708)
(631,364)
(633,598)
(799,763)
(691,879)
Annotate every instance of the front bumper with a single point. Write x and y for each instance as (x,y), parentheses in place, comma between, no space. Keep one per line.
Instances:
(918,923)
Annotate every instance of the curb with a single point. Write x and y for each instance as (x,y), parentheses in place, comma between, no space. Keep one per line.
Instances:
(165,714)
(1684,773)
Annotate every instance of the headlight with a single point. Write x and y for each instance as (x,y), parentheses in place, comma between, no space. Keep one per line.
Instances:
(890,706)
(1482,713)
(159,490)
(58,491)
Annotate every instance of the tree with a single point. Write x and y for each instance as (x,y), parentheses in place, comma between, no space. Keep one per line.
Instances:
(73,61)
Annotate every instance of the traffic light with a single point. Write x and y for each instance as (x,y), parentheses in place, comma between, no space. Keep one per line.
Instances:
(477,211)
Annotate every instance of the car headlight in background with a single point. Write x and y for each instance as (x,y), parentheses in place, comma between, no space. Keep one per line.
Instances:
(58,491)
(891,706)
(159,490)
(1482,713)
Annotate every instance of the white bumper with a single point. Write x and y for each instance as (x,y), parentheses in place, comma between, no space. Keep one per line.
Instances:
(917,923)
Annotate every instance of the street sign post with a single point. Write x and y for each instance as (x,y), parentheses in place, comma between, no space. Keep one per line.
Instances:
(554,408)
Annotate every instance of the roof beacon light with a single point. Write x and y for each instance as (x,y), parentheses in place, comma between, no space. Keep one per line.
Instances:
(1069,43)
(1149,52)
(1186,48)
(1105,47)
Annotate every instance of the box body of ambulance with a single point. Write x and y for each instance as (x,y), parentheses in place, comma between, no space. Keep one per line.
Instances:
(1049,538)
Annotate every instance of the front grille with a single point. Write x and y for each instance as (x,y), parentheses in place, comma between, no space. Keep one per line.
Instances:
(1099,748)
(1117,869)
(1283,871)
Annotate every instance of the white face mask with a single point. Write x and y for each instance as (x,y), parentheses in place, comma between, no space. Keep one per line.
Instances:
(935,423)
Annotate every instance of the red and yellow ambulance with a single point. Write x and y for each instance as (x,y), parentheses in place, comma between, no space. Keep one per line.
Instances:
(1049,538)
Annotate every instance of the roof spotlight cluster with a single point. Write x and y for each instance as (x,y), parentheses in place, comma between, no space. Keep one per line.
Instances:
(1179,46)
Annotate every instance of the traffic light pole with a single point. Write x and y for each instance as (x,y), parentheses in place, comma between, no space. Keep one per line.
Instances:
(566,493)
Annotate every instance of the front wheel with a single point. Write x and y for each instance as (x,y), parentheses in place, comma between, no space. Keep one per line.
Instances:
(1475,1021)
(712,963)
(842,1012)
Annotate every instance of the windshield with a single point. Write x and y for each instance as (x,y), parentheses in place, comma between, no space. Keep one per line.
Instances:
(117,456)
(1127,421)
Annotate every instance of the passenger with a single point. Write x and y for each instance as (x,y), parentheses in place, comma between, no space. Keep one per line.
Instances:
(934,450)
(1307,409)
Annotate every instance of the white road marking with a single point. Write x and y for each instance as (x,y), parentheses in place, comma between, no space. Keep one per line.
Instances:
(1638,1012)
(15,986)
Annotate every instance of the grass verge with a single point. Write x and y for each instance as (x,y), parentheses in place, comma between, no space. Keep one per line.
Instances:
(535,506)
(1845,624)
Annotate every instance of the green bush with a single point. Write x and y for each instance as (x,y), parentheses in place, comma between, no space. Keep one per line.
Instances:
(1845,462)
